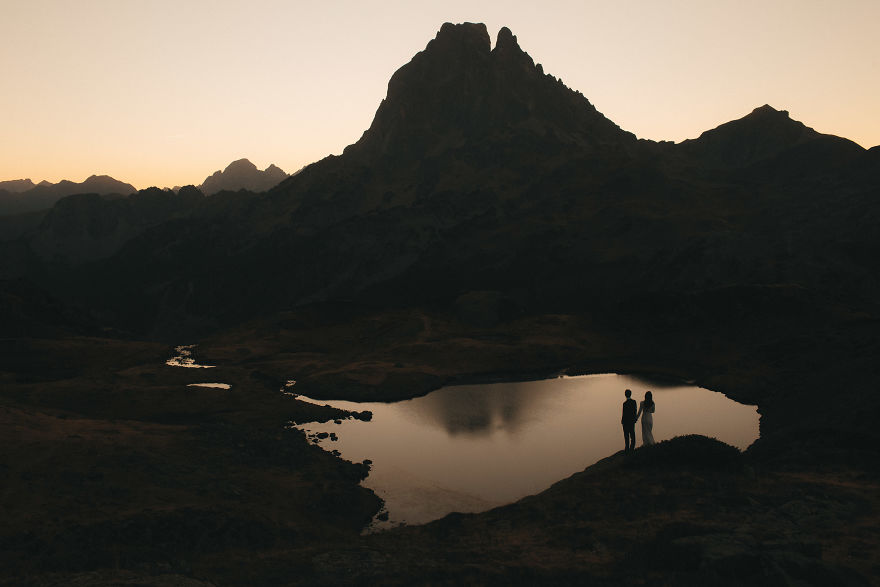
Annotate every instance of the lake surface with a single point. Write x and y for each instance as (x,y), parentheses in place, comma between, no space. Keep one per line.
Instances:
(474,447)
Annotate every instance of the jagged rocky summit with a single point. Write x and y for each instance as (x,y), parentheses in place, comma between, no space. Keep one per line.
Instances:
(243,175)
(461,88)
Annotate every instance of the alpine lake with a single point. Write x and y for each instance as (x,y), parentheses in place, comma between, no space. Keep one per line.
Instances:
(471,448)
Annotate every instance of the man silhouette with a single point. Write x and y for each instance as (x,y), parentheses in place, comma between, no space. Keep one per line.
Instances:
(628,420)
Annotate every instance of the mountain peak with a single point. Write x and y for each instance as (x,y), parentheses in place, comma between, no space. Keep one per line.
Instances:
(460,89)
(507,51)
(242,174)
(104,184)
(766,121)
(241,165)
(768,111)
(763,133)
(464,37)
(506,41)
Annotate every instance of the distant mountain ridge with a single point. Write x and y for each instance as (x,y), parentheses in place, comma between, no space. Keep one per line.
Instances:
(17,186)
(15,200)
(19,196)
(243,175)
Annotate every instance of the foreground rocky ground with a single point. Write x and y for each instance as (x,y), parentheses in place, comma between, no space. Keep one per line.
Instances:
(114,472)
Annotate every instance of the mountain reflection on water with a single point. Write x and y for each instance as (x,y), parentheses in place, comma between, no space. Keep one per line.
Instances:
(470,448)
(478,412)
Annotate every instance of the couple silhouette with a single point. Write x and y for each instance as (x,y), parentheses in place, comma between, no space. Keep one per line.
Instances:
(631,416)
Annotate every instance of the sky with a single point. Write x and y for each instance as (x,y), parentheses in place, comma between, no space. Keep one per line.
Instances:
(165,92)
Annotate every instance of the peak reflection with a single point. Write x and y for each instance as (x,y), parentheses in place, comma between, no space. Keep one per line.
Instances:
(478,410)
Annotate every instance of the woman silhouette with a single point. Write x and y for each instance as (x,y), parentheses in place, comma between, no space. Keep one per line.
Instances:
(646,411)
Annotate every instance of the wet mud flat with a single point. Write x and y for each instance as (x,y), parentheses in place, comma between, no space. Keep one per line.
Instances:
(114,470)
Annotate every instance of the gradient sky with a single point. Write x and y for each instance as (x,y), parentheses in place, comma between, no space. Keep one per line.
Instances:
(164,92)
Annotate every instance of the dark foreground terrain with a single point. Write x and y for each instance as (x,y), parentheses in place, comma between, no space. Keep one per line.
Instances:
(114,472)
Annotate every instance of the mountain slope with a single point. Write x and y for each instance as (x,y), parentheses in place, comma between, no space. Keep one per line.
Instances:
(85,227)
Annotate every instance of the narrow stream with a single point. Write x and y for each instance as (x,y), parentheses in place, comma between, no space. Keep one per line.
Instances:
(184,358)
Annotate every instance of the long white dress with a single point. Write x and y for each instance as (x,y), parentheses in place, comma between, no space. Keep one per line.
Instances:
(647,423)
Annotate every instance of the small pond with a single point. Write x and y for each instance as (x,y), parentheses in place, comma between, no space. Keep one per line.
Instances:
(474,447)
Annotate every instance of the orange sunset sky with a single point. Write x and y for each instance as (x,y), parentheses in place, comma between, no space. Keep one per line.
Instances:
(165,92)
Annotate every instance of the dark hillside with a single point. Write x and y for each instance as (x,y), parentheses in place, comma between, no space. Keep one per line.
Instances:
(481,172)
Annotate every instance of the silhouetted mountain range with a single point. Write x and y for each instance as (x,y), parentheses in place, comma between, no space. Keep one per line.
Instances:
(21,195)
(16,186)
(481,173)
(242,175)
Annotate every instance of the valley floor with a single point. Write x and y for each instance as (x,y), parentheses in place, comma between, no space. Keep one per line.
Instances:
(116,473)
